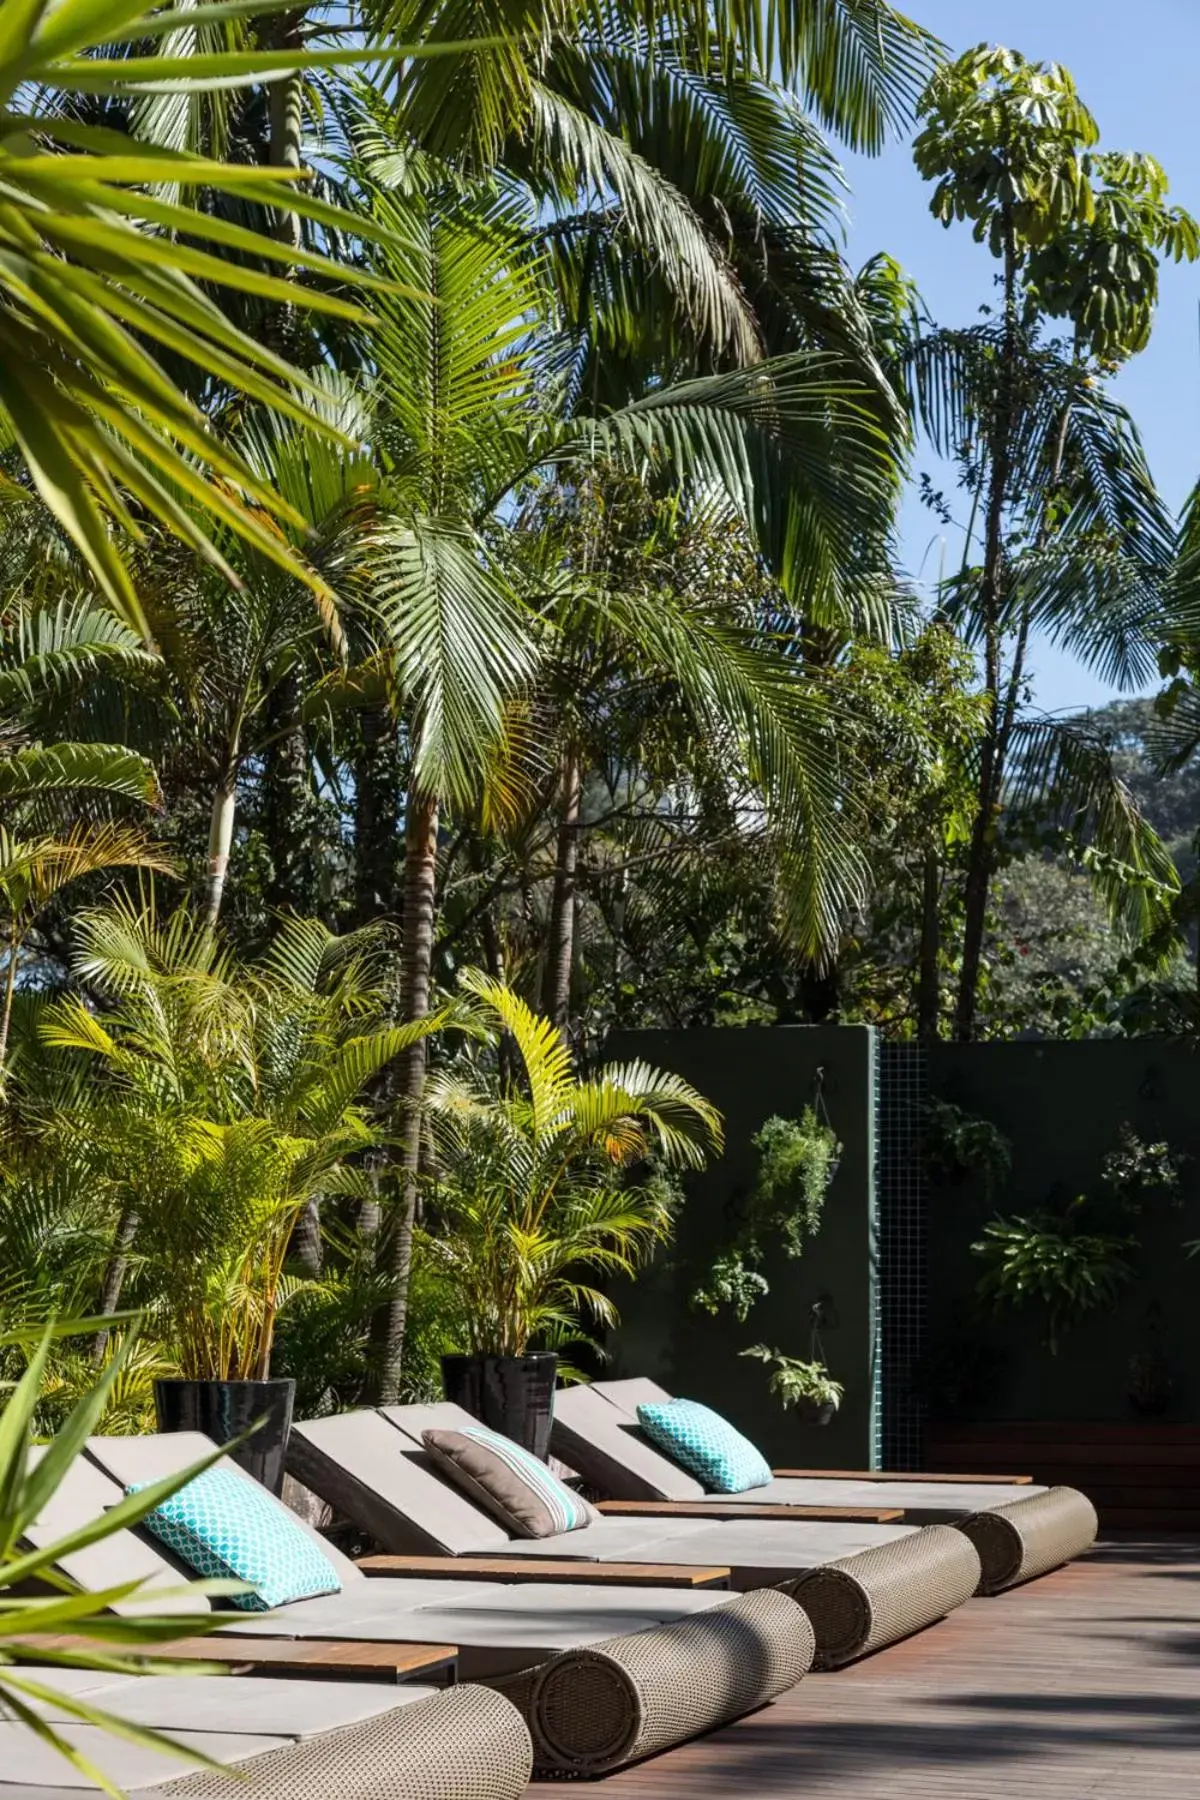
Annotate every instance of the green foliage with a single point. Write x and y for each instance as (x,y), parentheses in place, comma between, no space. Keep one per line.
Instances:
(545,1178)
(212,1104)
(955,1143)
(731,1282)
(1072,1259)
(39,1602)
(796,1383)
(1135,1170)
(1049,1260)
(797,1160)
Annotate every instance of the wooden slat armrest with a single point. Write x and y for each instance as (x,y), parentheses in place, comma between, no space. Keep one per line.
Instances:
(716,1508)
(895,1475)
(527,1569)
(282,1656)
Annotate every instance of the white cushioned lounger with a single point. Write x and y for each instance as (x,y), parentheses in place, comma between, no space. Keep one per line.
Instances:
(277,1739)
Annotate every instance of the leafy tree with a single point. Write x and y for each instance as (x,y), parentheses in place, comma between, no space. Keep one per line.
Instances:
(1073,537)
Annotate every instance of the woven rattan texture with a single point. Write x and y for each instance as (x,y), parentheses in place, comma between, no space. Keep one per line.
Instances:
(865,1601)
(591,1711)
(1029,1537)
(466,1744)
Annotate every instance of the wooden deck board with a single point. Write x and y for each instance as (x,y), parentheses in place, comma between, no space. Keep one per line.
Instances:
(1083,1686)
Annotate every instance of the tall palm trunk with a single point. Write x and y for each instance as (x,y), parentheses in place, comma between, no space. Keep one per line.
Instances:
(1005,698)
(396,1244)
(285,796)
(376,817)
(376,863)
(114,1276)
(560,951)
(220,843)
(982,851)
(285,105)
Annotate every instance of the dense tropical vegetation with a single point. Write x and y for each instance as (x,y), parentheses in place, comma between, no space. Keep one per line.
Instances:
(449,478)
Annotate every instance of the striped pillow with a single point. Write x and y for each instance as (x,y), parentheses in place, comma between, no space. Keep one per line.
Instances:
(508,1481)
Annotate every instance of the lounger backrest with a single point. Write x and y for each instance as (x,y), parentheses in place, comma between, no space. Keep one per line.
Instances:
(631,1392)
(127,1460)
(84,1493)
(435,1415)
(610,1451)
(380,1475)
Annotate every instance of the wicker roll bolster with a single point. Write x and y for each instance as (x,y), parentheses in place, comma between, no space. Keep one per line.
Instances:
(465,1744)
(594,1710)
(860,1603)
(1030,1537)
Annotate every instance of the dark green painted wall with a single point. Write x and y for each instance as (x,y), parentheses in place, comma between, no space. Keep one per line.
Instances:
(751,1074)
(1062,1105)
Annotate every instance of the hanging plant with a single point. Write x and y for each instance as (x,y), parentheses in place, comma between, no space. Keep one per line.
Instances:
(797,1161)
(806,1388)
(1051,1261)
(956,1143)
(1136,1171)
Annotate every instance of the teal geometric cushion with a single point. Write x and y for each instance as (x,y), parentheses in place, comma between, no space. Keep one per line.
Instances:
(705,1444)
(225,1527)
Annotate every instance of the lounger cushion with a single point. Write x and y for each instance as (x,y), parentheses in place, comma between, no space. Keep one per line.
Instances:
(706,1444)
(507,1480)
(223,1528)
(612,1452)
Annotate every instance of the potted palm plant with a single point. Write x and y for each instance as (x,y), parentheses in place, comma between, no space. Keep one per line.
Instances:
(543,1183)
(223,1106)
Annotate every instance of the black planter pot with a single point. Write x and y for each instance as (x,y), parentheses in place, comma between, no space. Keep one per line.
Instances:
(223,1410)
(512,1394)
(811,1412)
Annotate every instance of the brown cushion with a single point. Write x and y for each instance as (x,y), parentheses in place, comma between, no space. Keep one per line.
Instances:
(508,1480)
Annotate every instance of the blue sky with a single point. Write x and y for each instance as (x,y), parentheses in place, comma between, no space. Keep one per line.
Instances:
(1138,69)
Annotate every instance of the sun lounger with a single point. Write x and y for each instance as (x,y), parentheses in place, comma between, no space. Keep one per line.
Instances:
(651,1666)
(1019,1530)
(278,1740)
(862,1585)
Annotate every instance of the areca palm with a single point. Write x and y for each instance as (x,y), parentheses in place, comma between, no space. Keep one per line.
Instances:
(531,1182)
(49,651)
(217,1104)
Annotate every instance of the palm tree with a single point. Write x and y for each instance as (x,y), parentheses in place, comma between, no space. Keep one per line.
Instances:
(468,407)
(50,650)
(531,1185)
(215,1105)
(92,291)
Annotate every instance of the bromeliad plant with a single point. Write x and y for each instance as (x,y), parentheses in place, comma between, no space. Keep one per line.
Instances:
(217,1104)
(546,1179)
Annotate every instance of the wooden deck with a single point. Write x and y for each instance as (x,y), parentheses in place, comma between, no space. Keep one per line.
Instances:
(1086,1683)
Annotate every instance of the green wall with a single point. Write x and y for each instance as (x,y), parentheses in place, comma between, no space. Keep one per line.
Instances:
(751,1074)
(1062,1104)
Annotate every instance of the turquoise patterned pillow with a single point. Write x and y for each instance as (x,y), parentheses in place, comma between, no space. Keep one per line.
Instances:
(227,1528)
(705,1444)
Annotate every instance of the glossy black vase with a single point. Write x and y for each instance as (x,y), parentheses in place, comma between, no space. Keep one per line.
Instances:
(223,1410)
(512,1394)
